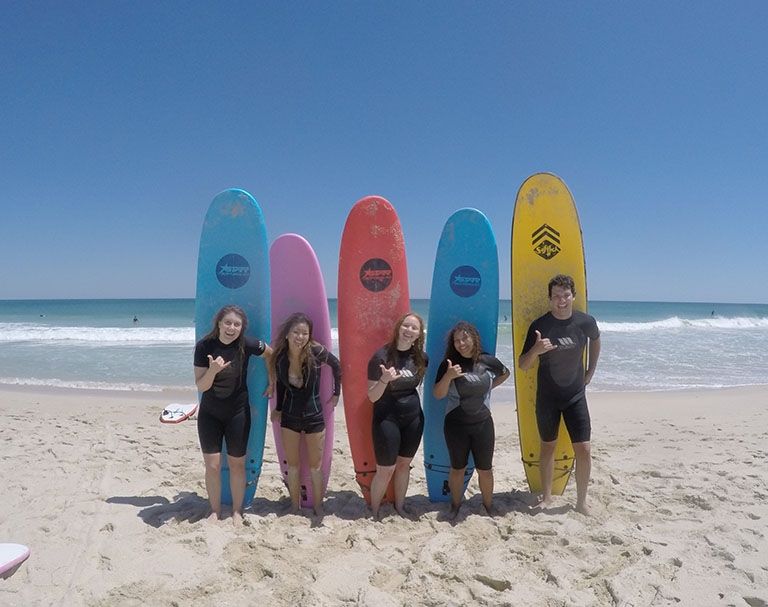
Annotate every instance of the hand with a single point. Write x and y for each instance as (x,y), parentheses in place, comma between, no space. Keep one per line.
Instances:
(333,401)
(268,390)
(275,416)
(453,371)
(217,364)
(588,377)
(543,345)
(388,374)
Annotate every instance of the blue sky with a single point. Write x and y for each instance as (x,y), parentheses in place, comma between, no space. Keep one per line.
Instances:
(121,121)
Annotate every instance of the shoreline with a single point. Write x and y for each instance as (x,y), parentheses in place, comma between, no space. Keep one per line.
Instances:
(191,394)
(111,503)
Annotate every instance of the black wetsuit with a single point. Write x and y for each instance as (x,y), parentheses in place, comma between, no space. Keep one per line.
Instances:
(225,411)
(560,379)
(468,423)
(398,421)
(301,408)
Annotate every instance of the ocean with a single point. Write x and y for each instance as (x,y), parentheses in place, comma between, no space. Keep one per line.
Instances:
(646,346)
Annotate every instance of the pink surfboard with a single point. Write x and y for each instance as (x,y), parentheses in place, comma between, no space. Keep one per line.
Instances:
(297,286)
(11,557)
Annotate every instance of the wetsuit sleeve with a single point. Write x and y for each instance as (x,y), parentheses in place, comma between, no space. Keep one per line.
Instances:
(201,355)
(281,372)
(374,371)
(441,370)
(495,366)
(591,329)
(530,339)
(254,347)
(327,357)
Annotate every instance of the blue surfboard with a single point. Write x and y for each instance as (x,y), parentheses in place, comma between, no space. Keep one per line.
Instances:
(233,268)
(465,286)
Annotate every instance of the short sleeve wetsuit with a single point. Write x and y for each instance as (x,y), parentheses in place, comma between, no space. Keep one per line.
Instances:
(398,421)
(300,406)
(468,425)
(560,378)
(225,411)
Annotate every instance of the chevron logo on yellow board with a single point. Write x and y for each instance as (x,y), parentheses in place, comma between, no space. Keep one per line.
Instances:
(546,241)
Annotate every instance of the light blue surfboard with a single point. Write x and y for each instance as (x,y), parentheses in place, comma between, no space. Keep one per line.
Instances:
(233,268)
(465,286)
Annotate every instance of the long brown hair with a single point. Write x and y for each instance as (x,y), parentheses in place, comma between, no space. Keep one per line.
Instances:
(464,327)
(280,344)
(417,349)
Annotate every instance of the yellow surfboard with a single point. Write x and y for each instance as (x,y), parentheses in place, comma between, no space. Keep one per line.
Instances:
(546,240)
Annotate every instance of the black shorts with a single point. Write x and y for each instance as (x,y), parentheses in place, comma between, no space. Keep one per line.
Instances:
(395,437)
(312,424)
(462,439)
(575,415)
(217,423)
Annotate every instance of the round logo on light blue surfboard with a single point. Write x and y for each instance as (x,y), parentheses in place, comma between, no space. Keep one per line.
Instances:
(465,281)
(233,271)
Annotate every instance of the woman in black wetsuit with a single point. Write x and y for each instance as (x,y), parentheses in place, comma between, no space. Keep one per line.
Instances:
(466,376)
(296,368)
(221,367)
(394,373)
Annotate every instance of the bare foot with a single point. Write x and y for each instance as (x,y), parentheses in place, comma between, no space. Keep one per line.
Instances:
(543,504)
(584,509)
(491,510)
(319,510)
(237,519)
(295,509)
(214,516)
(454,511)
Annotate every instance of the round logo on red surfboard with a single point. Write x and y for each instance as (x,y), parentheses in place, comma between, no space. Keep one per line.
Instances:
(376,274)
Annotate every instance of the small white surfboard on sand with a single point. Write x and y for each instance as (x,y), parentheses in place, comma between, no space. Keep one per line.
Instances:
(175,413)
(11,556)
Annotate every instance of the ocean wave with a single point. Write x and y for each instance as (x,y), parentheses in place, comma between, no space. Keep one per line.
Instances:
(87,385)
(19,333)
(675,323)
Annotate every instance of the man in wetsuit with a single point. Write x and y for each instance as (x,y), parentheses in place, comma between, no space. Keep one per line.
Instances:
(557,340)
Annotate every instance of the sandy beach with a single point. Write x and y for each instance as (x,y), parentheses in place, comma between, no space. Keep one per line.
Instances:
(110,502)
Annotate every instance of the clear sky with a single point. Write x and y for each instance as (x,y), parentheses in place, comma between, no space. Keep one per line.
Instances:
(120,121)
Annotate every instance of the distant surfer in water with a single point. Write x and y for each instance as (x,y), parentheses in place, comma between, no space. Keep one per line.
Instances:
(466,376)
(221,367)
(558,340)
(394,374)
(296,366)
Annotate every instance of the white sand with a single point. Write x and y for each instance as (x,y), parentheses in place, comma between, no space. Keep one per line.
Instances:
(110,504)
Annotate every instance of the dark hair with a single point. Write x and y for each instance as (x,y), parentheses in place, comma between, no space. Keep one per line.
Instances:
(240,341)
(417,349)
(561,280)
(471,330)
(280,343)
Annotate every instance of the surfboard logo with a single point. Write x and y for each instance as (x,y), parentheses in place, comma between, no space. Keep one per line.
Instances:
(233,271)
(465,281)
(376,274)
(546,242)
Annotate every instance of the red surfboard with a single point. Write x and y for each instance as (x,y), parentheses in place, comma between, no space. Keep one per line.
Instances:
(373,295)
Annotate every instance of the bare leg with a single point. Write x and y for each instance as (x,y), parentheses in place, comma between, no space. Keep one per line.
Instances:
(485,480)
(315,443)
(583,453)
(291,445)
(456,485)
(402,477)
(213,482)
(237,486)
(379,487)
(547,470)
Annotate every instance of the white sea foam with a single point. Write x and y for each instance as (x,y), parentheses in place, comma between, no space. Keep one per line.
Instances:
(676,323)
(103,336)
(87,385)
